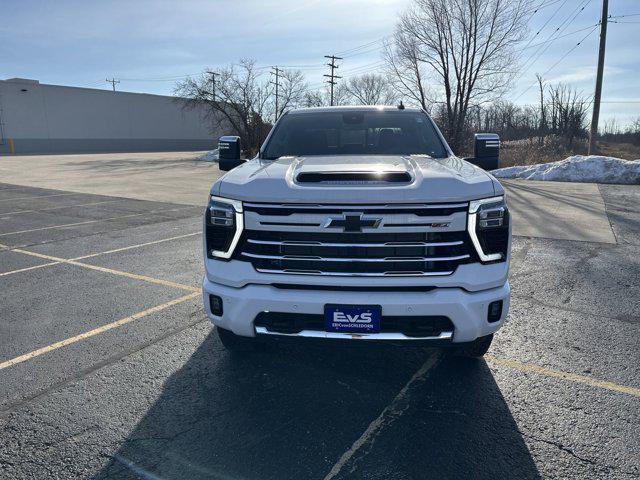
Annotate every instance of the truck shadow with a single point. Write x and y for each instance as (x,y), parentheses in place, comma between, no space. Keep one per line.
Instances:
(293,412)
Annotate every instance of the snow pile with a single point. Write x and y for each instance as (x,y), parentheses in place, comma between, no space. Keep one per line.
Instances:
(578,168)
(211,156)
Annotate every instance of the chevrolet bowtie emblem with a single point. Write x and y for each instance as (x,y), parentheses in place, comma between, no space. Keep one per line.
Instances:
(352,222)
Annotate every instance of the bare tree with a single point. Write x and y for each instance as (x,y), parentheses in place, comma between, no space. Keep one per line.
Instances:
(371,89)
(611,127)
(406,70)
(467,47)
(292,90)
(242,101)
(313,98)
(341,95)
(568,112)
(321,96)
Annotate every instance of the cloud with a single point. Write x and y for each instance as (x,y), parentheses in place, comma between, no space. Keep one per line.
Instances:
(582,74)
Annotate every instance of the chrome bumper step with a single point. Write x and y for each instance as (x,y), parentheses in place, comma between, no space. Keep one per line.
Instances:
(354,336)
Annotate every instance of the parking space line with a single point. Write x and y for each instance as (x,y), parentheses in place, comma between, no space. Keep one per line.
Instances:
(95,331)
(123,249)
(65,225)
(158,281)
(41,196)
(26,269)
(60,208)
(388,415)
(62,260)
(135,276)
(573,377)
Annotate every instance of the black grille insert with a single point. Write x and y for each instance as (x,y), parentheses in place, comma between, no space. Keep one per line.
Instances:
(411,326)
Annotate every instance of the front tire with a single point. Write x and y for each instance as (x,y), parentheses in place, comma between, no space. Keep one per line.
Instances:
(235,343)
(477,348)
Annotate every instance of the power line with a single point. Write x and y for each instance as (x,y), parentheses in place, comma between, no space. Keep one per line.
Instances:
(363,52)
(550,39)
(559,60)
(165,79)
(625,15)
(562,36)
(367,66)
(349,52)
(554,36)
(332,76)
(545,5)
(545,23)
(113,82)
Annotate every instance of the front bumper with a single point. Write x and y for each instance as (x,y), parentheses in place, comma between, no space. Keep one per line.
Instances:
(467,310)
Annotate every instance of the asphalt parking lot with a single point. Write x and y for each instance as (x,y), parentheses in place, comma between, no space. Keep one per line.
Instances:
(110,369)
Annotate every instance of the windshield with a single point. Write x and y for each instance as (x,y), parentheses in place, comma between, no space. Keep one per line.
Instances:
(354,133)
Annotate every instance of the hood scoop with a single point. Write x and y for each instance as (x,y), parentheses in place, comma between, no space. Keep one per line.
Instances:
(354,178)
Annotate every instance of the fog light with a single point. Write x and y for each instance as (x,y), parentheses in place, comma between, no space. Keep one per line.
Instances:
(215,302)
(495,311)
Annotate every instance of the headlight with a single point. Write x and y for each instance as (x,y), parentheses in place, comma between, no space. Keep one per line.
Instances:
(489,228)
(223,226)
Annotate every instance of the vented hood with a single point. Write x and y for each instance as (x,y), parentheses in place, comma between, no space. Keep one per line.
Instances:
(356,179)
(353,171)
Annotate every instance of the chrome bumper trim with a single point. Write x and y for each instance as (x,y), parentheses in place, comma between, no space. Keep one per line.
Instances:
(354,274)
(310,243)
(351,260)
(369,206)
(353,336)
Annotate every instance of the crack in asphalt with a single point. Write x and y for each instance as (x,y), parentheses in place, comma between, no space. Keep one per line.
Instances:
(627,319)
(571,452)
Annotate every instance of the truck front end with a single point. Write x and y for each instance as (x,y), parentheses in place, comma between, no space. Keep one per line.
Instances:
(403,247)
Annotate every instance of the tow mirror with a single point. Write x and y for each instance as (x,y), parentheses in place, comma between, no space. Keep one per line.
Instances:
(486,151)
(229,153)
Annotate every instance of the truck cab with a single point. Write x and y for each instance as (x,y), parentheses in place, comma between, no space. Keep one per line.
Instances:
(357,224)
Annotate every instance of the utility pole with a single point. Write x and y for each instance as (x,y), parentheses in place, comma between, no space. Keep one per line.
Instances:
(593,132)
(113,82)
(276,71)
(332,76)
(213,84)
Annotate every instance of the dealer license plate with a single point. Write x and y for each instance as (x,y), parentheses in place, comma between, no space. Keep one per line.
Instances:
(352,318)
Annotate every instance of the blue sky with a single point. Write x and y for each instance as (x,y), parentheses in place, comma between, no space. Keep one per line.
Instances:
(147,44)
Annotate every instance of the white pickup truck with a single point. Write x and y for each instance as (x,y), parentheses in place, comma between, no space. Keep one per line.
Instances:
(357,224)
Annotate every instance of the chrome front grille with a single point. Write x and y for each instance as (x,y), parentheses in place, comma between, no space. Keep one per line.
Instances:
(405,240)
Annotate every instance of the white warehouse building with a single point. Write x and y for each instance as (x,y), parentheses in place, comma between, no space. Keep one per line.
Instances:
(40,118)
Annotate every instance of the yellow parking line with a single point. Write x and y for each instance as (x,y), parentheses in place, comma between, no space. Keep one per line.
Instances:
(573,377)
(35,267)
(95,331)
(135,276)
(62,260)
(136,246)
(65,225)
